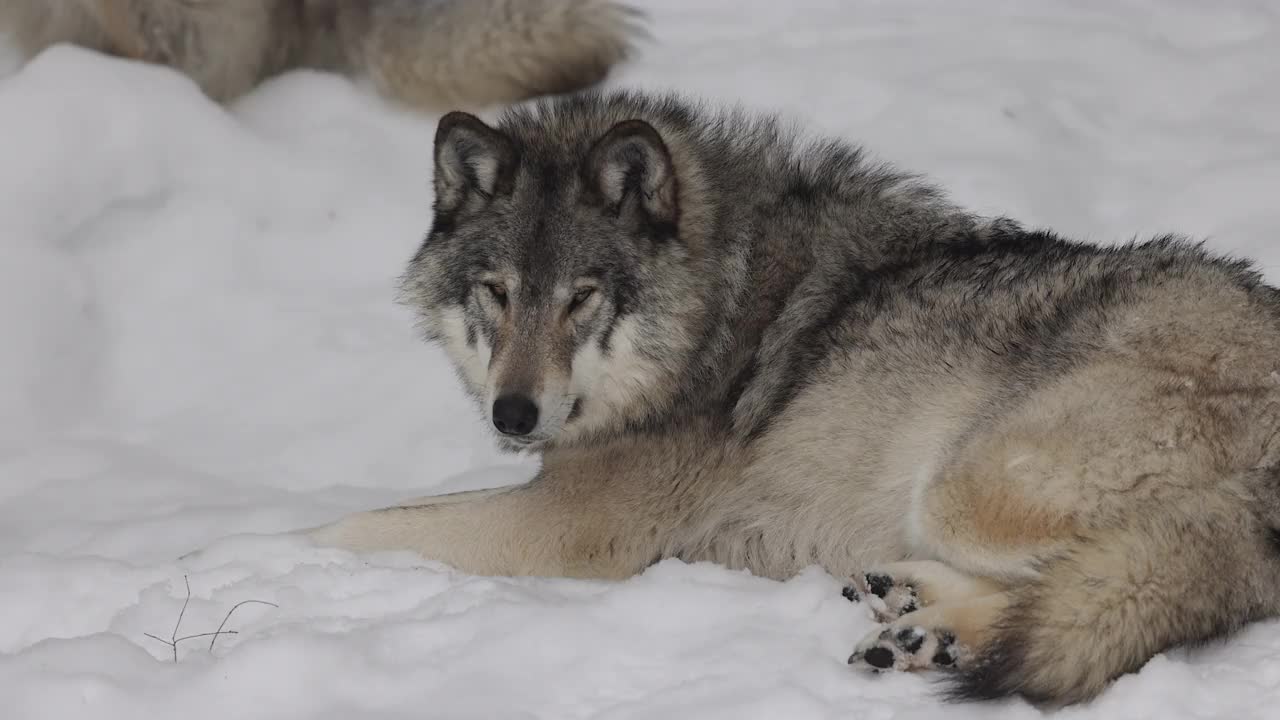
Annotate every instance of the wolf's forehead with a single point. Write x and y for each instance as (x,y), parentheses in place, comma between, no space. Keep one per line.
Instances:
(554,249)
(539,244)
(557,142)
(550,175)
(543,233)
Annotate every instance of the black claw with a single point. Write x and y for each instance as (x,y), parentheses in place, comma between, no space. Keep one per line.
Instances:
(910,606)
(850,593)
(878,657)
(879,584)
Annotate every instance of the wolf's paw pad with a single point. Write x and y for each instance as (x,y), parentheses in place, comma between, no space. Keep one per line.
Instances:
(907,648)
(888,599)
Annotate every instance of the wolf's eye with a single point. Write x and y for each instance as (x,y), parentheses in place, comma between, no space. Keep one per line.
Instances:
(580,297)
(498,292)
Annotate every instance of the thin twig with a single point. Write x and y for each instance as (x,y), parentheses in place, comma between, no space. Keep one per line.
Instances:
(157,637)
(173,640)
(181,614)
(214,634)
(235,607)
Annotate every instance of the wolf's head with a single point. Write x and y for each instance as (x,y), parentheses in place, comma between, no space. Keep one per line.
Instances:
(555,274)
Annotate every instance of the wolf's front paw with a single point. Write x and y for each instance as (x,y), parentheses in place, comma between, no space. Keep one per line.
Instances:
(889,599)
(908,647)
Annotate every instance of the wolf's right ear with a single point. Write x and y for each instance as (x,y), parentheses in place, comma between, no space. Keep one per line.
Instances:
(471,159)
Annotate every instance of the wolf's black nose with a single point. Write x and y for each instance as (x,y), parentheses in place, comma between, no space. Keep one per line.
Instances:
(515,415)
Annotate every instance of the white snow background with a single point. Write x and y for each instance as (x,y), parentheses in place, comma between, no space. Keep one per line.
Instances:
(200,348)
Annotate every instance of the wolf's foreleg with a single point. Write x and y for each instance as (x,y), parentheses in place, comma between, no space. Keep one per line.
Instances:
(528,530)
(605,511)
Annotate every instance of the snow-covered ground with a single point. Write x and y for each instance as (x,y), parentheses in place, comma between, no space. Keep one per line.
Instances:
(200,349)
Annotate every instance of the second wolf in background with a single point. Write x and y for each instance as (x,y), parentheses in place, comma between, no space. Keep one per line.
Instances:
(429,54)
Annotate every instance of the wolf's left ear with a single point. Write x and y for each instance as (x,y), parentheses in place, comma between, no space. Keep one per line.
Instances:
(472,159)
(630,167)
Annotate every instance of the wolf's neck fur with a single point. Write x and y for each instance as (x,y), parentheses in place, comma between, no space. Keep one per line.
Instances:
(790,233)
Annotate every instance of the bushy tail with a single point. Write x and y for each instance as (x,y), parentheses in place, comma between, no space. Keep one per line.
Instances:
(472,53)
(1120,598)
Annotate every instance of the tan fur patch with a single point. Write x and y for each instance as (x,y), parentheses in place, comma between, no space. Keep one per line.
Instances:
(992,513)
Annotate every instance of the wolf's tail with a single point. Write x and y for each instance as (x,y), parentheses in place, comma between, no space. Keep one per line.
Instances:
(445,54)
(1123,596)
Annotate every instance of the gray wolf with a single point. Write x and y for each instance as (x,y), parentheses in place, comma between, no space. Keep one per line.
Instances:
(1041,461)
(429,54)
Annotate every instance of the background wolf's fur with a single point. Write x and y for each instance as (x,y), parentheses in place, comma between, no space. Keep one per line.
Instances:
(825,362)
(432,54)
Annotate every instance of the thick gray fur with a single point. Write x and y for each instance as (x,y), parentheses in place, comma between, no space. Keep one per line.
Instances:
(1042,461)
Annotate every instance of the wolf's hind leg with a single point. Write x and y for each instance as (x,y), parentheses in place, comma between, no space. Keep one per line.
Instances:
(896,589)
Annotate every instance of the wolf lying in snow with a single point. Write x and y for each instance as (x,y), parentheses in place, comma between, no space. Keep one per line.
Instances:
(1041,461)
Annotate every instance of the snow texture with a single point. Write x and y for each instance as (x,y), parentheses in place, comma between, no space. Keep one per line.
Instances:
(201,349)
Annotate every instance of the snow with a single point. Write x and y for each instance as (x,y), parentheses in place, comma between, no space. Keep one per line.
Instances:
(201,350)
